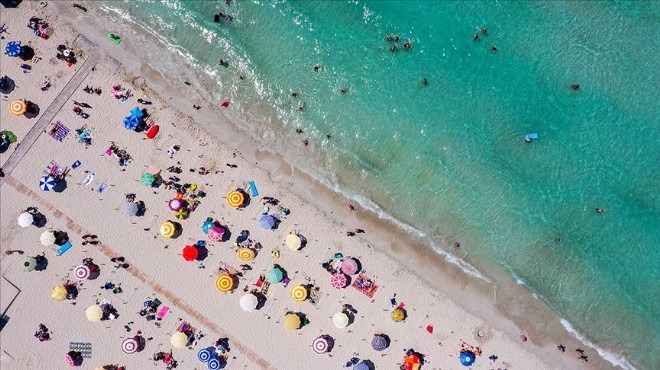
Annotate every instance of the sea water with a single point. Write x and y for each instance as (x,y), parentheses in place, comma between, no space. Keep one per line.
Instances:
(447,158)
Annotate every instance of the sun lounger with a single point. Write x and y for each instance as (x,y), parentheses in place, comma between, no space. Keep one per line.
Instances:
(61,250)
(253,187)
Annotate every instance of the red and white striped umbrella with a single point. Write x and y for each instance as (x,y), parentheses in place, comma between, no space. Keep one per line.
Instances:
(82,272)
(215,234)
(321,345)
(339,281)
(69,360)
(130,345)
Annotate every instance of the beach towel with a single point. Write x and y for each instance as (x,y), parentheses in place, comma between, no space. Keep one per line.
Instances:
(162,312)
(253,187)
(61,250)
(75,165)
(59,131)
(88,180)
(101,188)
(85,349)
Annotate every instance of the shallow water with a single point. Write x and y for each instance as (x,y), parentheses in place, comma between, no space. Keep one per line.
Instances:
(448,158)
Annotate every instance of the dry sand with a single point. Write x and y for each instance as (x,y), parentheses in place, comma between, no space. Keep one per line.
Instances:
(258,339)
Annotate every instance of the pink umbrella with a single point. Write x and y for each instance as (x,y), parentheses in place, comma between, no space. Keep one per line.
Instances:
(349,266)
(339,281)
(175,204)
(69,360)
(216,233)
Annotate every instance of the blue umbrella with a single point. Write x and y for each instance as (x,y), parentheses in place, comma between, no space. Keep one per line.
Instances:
(47,183)
(205,354)
(267,221)
(13,48)
(208,224)
(467,358)
(214,364)
(379,343)
(361,366)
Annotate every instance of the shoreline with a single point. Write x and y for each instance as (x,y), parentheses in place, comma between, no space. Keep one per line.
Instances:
(443,271)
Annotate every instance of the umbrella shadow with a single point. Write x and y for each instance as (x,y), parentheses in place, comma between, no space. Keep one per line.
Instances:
(10,3)
(331,342)
(178,230)
(93,275)
(7,85)
(32,110)
(226,235)
(39,220)
(202,252)
(27,53)
(303,241)
(142,208)
(60,186)
(61,237)
(369,364)
(303,319)
(261,300)
(42,263)
(141,342)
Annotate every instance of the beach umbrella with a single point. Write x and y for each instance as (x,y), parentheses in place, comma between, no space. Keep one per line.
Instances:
(47,183)
(147,179)
(249,302)
(379,343)
(58,293)
(412,362)
(235,199)
(291,321)
(467,358)
(181,214)
(130,345)
(224,283)
(82,272)
(29,264)
(361,366)
(129,209)
(190,253)
(69,359)
(18,107)
(339,280)
(349,266)
(245,254)
(94,313)
(299,293)
(399,314)
(207,225)
(179,340)
(25,219)
(167,229)
(47,238)
(216,233)
(13,48)
(175,204)
(340,320)
(214,364)
(267,221)
(293,241)
(205,354)
(321,345)
(275,275)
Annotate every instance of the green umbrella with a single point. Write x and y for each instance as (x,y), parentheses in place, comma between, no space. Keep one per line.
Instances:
(10,136)
(29,264)
(148,179)
(275,275)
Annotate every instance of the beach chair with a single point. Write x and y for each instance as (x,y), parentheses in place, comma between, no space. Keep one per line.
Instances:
(65,247)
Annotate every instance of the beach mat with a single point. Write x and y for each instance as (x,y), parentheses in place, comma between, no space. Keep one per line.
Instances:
(253,188)
(65,247)
(84,348)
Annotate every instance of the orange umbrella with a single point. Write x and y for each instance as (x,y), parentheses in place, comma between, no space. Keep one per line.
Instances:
(18,107)
(412,362)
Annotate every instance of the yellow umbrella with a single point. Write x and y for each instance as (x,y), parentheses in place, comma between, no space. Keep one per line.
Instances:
(340,320)
(179,340)
(235,199)
(58,293)
(293,241)
(167,229)
(18,107)
(224,283)
(94,313)
(291,321)
(299,293)
(245,254)
(398,314)
(181,214)
(47,238)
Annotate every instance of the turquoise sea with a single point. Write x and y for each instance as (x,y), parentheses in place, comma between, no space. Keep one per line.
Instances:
(448,158)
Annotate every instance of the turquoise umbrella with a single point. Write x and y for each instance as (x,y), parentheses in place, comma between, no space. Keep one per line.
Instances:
(275,275)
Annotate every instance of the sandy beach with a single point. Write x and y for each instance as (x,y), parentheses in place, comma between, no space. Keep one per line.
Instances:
(444,308)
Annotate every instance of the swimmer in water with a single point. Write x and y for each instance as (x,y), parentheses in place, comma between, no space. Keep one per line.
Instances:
(305,142)
(600,210)
(317,68)
(343,90)
(299,131)
(575,87)
(424,81)
(528,139)
(294,94)
(393,48)
(301,107)
(407,45)
(493,48)
(475,37)
(484,31)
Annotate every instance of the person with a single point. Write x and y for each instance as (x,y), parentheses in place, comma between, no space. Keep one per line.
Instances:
(351,207)
(343,90)
(305,142)
(301,107)
(600,210)
(475,37)
(221,62)
(561,348)
(558,239)
(493,48)
(172,150)
(457,244)
(424,81)
(575,87)
(393,48)
(317,68)
(407,45)
(528,139)
(484,31)
(294,94)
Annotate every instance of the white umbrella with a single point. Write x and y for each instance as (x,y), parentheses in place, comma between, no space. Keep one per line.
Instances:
(47,238)
(249,302)
(25,219)
(340,320)
(129,209)
(94,313)
(179,340)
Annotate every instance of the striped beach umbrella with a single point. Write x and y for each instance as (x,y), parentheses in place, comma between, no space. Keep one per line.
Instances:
(215,233)
(181,214)
(167,229)
(214,364)
(13,48)
(245,254)
(235,199)
(321,345)
(82,272)
(205,354)
(47,183)
(18,107)
(69,359)
(130,345)
(339,280)
(299,293)
(224,283)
